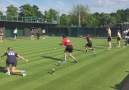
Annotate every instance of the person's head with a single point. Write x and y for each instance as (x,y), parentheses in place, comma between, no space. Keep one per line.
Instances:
(88,35)
(108,28)
(118,30)
(10,49)
(64,36)
(128,30)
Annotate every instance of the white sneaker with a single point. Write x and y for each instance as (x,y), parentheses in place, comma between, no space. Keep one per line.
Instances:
(23,72)
(8,73)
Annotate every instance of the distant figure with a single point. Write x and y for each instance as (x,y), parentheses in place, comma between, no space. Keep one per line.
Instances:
(127,38)
(88,46)
(43,33)
(15,33)
(38,34)
(12,60)
(32,34)
(1,35)
(109,38)
(118,38)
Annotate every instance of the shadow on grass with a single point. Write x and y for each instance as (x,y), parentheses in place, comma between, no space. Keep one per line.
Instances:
(123,85)
(52,58)
(78,50)
(2,69)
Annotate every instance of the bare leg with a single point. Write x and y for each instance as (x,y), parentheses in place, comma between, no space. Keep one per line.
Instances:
(70,54)
(110,46)
(7,66)
(64,55)
(16,71)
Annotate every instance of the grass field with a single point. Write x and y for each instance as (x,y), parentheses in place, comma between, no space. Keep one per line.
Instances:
(106,71)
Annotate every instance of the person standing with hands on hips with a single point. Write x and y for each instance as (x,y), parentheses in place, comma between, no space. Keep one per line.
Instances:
(69,48)
(12,60)
(109,38)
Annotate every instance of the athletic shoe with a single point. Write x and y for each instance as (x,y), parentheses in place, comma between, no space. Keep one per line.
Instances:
(75,61)
(23,72)
(8,73)
(64,60)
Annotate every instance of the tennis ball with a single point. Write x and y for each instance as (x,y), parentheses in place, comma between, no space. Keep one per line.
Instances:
(27,60)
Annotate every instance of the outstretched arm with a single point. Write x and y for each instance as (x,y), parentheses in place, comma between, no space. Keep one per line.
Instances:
(2,56)
(22,58)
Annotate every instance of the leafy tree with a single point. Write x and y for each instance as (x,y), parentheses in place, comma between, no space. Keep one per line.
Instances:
(79,13)
(1,14)
(12,11)
(26,11)
(36,12)
(30,11)
(51,15)
(64,20)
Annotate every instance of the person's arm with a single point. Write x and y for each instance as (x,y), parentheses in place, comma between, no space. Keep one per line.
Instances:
(22,58)
(3,55)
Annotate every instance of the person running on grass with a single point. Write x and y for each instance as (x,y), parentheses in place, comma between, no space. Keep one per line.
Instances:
(109,38)
(88,46)
(118,38)
(12,60)
(69,48)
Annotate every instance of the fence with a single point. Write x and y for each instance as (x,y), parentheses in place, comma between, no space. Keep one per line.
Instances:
(72,32)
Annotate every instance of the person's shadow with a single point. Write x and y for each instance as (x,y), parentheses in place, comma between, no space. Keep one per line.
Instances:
(2,69)
(52,58)
(123,85)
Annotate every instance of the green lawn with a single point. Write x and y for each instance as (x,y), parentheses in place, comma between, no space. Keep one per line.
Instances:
(106,71)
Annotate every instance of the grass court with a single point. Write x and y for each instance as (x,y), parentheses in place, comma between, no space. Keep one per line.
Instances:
(105,71)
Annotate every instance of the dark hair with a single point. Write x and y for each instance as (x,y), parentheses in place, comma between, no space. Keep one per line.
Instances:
(64,36)
(10,48)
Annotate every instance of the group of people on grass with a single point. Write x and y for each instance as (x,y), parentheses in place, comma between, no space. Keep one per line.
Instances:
(118,38)
(2,34)
(38,34)
(15,34)
(12,56)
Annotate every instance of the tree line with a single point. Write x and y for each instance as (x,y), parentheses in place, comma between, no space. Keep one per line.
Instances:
(79,16)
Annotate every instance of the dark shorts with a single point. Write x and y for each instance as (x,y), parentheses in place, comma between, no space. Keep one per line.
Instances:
(69,49)
(13,63)
(89,45)
(109,39)
(43,33)
(15,34)
(118,38)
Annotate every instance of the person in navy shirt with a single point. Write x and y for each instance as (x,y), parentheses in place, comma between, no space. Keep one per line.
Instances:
(12,60)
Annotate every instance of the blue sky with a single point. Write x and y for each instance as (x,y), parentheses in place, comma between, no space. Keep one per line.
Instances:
(64,6)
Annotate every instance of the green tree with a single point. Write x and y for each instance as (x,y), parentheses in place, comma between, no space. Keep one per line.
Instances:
(51,15)
(1,14)
(30,11)
(79,15)
(11,11)
(36,12)
(64,20)
(26,11)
